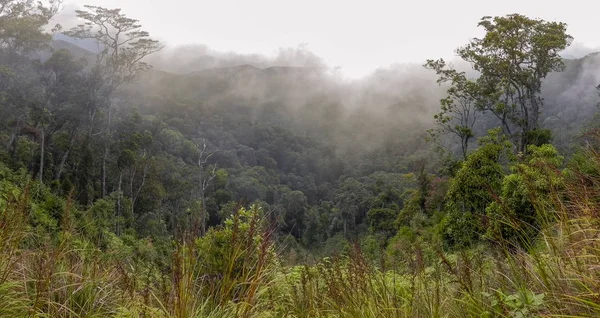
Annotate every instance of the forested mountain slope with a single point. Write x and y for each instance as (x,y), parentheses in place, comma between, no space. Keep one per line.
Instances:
(193,191)
(298,139)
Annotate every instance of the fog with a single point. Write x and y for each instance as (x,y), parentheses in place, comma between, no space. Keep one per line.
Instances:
(357,36)
(391,104)
(190,58)
(395,99)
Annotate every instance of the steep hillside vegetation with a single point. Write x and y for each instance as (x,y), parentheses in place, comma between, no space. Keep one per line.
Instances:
(285,191)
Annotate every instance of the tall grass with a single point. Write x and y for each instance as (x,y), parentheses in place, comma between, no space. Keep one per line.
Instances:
(233,271)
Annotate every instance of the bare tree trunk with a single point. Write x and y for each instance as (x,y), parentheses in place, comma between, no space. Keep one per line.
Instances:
(13,135)
(204,183)
(105,155)
(525,128)
(131,178)
(42,148)
(202,198)
(120,195)
(104,158)
(139,189)
(61,166)
(535,112)
(11,141)
(465,147)
(91,115)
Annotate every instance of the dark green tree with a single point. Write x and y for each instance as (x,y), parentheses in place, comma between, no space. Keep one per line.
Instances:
(56,102)
(527,197)
(473,189)
(512,59)
(22,32)
(351,200)
(296,206)
(123,46)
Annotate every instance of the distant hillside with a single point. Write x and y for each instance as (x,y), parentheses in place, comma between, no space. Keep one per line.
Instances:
(404,95)
(58,44)
(571,98)
(77,51)
(244,84)
(74,49)
(86,44)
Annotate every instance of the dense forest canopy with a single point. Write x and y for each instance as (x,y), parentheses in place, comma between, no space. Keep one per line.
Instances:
(215,175)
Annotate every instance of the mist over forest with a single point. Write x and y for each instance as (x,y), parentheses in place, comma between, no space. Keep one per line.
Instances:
(143,179)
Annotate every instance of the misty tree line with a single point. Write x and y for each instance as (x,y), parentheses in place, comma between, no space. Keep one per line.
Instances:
(161,155)
(72,125)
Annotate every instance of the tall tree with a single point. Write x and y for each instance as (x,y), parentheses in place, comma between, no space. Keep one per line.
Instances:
(351,200)
(59,79)
(22,32)
(22,25)
(459,111)
(204,180)
(512,59)
(123,46)
(295,203)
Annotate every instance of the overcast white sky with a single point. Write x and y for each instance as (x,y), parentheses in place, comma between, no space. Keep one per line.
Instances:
(358,36)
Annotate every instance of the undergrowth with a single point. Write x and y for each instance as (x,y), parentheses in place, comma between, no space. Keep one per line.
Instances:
(234,270)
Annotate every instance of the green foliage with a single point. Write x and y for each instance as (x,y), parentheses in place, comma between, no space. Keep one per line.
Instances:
(98,221)
(475,186)
(539,137)
(351,201)
(458,112)
(24,152)
(382,221)
(512,59)
(296,206)
(526,199)
(105,191)
(520,305)
(124,44)
(237,253)
(234,270)
(23,24)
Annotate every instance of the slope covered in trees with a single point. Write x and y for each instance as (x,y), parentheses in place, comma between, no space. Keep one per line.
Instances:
(128,190)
